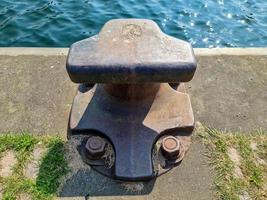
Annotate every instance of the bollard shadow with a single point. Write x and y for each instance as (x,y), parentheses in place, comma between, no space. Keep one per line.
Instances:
(89,183)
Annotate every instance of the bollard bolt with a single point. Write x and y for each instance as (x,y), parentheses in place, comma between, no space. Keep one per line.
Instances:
(170,147)
(95,147)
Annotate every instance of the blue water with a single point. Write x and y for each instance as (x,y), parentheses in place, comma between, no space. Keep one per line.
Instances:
(204,23)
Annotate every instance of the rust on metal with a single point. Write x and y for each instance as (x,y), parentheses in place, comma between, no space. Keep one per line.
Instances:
(95,147)
(170,147)
(131,51)
(125,98)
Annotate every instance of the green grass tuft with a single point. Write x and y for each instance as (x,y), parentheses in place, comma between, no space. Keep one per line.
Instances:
(15,186)
(22,142)
(52,168)
(254,174)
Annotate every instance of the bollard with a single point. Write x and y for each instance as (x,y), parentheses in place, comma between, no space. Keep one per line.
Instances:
(131,94)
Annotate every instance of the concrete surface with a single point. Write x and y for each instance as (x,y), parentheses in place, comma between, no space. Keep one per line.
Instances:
(229,91)
(35,94)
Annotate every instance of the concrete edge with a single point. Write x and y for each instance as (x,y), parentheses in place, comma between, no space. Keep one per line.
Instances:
(16,51)
(33,51)
(230,51)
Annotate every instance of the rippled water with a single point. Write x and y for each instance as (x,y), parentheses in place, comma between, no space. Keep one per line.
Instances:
(204,23)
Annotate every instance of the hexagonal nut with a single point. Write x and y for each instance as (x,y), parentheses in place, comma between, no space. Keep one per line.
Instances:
(95,147)
(170,147)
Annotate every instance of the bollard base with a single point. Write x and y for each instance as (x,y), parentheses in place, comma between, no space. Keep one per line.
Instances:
(133,130)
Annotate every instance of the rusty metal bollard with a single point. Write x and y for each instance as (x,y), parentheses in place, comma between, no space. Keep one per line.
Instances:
(131,94)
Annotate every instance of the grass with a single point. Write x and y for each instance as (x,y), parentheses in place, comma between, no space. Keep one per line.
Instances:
(242,173)
(53,166)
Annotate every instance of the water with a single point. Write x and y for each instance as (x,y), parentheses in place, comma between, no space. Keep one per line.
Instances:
(204,23)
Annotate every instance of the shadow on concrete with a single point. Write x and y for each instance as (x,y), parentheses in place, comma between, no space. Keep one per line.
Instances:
(88,183)
(193,180)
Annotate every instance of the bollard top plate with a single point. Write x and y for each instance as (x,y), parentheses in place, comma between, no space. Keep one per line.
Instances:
(131,51)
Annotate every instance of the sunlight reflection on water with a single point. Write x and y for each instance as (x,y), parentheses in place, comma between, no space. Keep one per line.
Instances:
(204,23)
